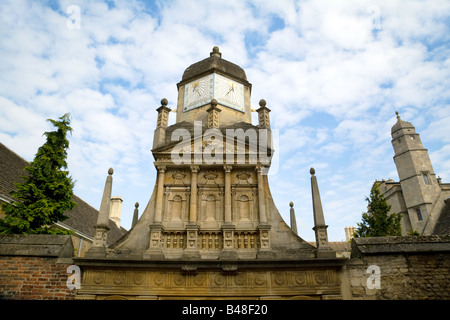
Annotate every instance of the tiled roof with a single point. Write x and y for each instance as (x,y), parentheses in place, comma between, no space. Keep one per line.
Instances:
(82,218)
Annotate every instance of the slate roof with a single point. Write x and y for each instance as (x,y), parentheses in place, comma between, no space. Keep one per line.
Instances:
(443,224)
(82,218)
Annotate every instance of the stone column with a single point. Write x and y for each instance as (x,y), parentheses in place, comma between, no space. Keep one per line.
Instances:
(227,194)
(228,227)
(263,227)
(194,192)
(159,194)
(261,200)
(192,228)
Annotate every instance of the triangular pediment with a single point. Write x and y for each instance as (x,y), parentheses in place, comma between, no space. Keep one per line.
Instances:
(244,146)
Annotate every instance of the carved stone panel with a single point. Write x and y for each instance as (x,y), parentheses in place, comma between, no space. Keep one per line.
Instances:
(242,283)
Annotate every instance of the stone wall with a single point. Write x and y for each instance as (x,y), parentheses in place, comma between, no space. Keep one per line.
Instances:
(35,267)
(409,268)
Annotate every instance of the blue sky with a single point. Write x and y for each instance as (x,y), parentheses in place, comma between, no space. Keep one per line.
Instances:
(332,72)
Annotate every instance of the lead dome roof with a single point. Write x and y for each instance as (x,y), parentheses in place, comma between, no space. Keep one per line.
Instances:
(214,63)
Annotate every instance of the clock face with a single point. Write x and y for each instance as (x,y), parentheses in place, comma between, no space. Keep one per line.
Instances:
(229,92)
(201,91)
(197,93)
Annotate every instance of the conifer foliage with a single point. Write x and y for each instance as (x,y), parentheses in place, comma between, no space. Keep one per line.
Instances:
(378,221)
(47,189)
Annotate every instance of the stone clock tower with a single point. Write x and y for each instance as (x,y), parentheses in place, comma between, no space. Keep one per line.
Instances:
(211,228)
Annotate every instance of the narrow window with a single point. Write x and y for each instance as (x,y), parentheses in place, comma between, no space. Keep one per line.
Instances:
(425,178)
(419,214)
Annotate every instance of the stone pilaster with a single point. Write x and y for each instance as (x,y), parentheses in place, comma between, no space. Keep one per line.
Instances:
(213,115)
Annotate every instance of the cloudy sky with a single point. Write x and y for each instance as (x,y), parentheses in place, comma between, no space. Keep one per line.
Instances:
(332,72)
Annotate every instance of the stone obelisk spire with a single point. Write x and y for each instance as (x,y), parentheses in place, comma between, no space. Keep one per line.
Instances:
(320,228)
(98,248)
(135,214)
(293,220)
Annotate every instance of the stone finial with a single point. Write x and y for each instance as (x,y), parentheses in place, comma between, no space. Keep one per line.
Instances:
(135,214)
(397,114)
(263,115)
(312,171)
(110,171)
(215,52)
(293,219)
(213,115)
(163,114)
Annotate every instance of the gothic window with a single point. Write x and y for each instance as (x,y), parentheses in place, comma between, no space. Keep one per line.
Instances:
(419,214)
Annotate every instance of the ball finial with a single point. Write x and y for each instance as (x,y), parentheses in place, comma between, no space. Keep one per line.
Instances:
(262,103)
(291,204)
(164,102)
(214,102)
(216,49)
(312,171)
(110,171)
(136,205)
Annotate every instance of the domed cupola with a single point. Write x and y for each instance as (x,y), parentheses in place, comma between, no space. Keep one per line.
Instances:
(214,78)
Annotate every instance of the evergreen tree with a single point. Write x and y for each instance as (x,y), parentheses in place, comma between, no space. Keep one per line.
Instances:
(377,221)
(47,189)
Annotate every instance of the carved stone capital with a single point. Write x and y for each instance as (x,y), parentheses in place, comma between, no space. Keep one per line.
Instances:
(195,169)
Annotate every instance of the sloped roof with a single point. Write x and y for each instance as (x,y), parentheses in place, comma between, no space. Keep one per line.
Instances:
(214,63)
(11,168)
(443,224)
(82,218)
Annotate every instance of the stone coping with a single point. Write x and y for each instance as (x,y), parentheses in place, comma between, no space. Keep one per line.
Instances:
(36,245)
(400,245)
